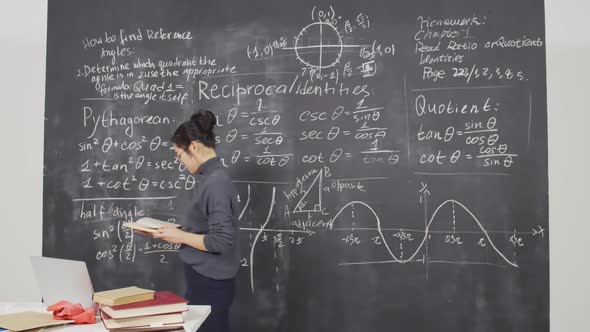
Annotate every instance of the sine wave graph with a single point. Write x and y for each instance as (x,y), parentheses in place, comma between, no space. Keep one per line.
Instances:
(420,247)
(427,232)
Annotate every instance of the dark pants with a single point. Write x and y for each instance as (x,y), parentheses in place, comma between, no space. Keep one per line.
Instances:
(219,294)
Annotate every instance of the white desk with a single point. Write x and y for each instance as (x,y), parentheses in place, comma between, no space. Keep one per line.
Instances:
(193,318)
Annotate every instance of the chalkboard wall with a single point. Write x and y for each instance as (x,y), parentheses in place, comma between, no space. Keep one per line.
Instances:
(390,156)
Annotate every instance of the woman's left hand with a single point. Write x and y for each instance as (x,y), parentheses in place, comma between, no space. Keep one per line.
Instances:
(170,234)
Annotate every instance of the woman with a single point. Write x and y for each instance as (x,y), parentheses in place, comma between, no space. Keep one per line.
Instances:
(210,241)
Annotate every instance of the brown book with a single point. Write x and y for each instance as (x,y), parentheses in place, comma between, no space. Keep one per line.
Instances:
(29,320)
(121,296)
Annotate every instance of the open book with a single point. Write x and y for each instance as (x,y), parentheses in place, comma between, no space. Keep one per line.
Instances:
(149,225)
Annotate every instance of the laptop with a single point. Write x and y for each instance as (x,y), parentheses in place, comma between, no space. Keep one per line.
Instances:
(62,279)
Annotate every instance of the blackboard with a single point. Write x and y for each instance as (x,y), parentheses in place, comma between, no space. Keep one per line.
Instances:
(390,156)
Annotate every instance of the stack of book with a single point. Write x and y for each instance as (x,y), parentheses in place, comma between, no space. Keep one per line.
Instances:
(136,309)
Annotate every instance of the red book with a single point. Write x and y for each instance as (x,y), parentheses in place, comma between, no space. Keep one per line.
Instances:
(162,303)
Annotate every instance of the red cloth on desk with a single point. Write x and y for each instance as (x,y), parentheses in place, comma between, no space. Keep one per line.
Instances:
(64,310)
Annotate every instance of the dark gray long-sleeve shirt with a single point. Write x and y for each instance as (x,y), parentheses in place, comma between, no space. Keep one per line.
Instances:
(214,213)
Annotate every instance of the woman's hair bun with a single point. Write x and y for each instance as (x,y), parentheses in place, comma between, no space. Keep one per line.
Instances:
(204,120)
(198,128)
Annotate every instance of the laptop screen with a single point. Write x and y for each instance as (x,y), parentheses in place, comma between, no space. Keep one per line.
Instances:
(62,279)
